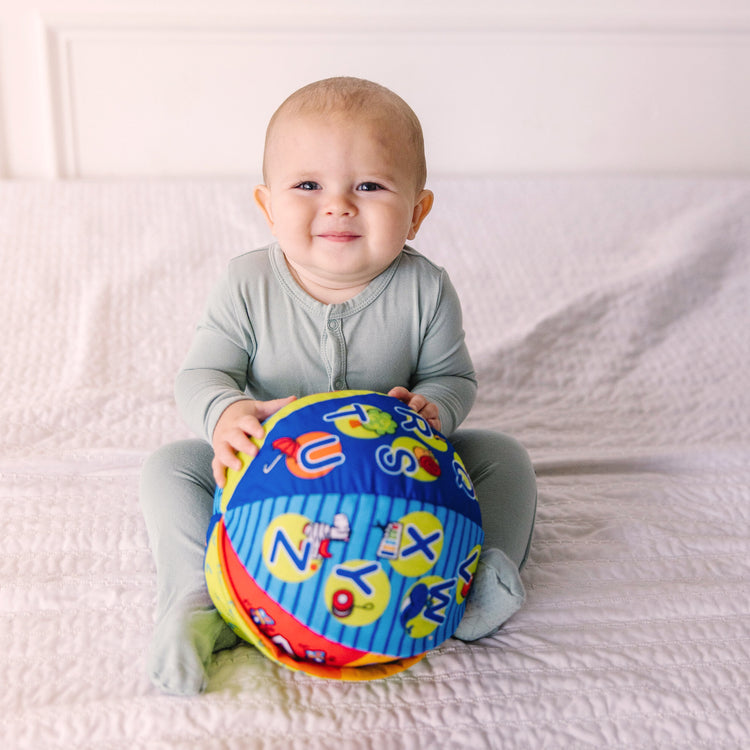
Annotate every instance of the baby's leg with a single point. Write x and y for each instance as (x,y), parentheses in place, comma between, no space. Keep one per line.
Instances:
(177,502)
(505,484)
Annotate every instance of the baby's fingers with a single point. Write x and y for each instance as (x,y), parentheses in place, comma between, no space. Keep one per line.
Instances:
(266,408)
(414,401)
(224,458)
(247,427)
(432,414)
(401,393)
(225,455)
(419,404)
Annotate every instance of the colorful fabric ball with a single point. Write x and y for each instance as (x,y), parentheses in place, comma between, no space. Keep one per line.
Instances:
(346,548)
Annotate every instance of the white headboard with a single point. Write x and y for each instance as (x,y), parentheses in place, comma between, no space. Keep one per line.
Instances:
(165,88)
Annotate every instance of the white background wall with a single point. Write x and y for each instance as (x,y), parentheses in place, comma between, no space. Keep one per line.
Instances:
(93,88)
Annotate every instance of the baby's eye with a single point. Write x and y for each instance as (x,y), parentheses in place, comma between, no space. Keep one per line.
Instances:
(367,186)
(308,185)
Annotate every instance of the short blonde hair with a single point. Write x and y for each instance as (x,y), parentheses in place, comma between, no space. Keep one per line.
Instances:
(346,95)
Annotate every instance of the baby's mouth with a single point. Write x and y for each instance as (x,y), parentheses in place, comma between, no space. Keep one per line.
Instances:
(339,236)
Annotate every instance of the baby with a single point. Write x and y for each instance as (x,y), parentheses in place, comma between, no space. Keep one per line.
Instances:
(339,301)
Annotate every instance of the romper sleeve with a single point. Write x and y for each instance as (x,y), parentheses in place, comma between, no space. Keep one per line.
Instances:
(445,373)
(214,373)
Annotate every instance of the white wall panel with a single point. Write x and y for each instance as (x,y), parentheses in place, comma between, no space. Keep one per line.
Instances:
(4,171)
(624,88)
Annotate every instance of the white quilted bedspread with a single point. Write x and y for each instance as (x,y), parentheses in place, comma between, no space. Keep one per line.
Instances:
(610,325)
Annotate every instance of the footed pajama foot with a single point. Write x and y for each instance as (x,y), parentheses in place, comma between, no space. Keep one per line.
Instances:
(181,649)
(496,594)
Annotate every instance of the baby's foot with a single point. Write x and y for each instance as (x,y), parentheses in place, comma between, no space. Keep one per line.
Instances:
(181,649)
(496,593)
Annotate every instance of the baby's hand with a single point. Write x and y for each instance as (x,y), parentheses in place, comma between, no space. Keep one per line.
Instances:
(419,404)
(237,424)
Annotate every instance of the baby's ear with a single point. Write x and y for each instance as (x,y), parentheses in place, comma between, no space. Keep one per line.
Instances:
(422,207)
(262,195)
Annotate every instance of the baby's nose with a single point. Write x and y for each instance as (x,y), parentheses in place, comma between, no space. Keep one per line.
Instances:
(340,205)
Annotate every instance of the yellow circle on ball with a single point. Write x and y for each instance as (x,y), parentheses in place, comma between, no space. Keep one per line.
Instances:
(287,551)
(424,606)
(420,545)
(357,592)
(408,457)
(362,421)
(466,571)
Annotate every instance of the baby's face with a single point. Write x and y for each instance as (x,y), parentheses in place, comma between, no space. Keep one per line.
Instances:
(341,198)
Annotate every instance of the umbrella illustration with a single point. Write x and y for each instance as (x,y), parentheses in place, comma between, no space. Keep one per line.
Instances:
(288,446)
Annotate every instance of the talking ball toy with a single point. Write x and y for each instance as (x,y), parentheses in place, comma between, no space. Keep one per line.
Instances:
(346,548)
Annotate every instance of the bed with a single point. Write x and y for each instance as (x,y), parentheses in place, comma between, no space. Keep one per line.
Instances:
(609,322)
